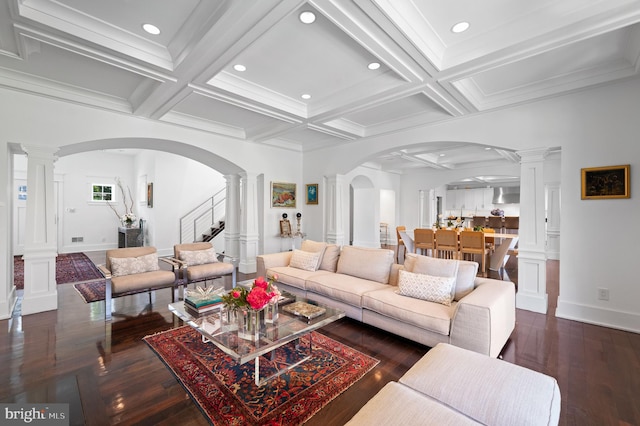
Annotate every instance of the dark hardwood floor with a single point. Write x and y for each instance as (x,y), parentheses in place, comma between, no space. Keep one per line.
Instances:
(108,375)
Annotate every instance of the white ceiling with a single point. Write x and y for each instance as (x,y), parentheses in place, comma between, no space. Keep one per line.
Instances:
(95,52)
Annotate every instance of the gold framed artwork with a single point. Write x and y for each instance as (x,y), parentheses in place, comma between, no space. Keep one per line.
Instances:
(283,194)
(312,193)
(605,182)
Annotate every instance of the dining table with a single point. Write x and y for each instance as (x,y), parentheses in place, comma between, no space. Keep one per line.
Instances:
(504,245)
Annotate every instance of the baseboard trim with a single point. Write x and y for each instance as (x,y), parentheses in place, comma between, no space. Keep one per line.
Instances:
(626,321)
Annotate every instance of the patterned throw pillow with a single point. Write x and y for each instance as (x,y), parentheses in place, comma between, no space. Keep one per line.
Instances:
(426,287)
(305,260)
(198,257)
(121,266)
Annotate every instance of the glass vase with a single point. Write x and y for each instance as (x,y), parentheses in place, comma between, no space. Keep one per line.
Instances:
(271,313)
(249,324)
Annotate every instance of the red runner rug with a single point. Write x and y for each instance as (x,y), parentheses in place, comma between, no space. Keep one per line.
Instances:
(226,393)
(70,268)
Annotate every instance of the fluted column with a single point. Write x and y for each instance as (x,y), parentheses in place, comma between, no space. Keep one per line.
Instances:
(232,216)
(335,213)
(249,232)
(532,272)
(40,249)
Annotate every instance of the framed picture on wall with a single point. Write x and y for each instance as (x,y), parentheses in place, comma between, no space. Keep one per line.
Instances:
(283,194)
(150,194)
(605,182)
(312,193)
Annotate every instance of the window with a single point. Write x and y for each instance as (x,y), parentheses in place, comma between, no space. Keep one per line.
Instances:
(102,192)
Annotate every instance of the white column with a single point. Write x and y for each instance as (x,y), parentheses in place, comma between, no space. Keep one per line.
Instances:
(232,216)
(8,295)
(335,212)
(40,251)
(532,272)
(553,221)
(249,232)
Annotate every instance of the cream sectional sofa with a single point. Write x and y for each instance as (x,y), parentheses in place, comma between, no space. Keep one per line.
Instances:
(364,283)
(453,386)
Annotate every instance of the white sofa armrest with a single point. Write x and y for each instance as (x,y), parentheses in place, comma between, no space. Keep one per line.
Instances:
(272,260)
(485,318)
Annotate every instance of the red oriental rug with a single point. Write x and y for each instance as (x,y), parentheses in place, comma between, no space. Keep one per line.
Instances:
(226,393)
(70,268)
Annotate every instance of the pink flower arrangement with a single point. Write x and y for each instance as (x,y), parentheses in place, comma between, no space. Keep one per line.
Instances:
(260,295)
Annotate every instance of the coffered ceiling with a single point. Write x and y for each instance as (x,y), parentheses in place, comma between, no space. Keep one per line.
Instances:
(96,53)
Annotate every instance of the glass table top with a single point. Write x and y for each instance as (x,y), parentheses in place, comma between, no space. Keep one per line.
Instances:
(221,328)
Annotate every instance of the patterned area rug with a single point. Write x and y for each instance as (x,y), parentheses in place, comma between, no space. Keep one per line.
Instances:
(70,268)
(226,392)
(92,291)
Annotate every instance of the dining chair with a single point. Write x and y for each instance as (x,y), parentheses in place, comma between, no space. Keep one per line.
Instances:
(424,239)
(490,241)
(511,223)
(401,245)
(473,243)
(478,221)
(495,222)
(447,243)
(407,241)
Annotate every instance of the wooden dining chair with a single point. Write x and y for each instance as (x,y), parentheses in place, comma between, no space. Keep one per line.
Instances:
(490,241)
(473,243)
(447,243)
(401,245)
(424,239)
(511,224)
(478,221)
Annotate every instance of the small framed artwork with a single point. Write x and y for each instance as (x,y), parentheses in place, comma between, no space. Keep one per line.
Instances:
(150,194)
(312,193)
(605,182)
(285,228)
(283,194)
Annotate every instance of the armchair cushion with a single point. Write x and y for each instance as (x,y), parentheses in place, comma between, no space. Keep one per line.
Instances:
(137,282)
(208,270)
(198,257)
(121,266)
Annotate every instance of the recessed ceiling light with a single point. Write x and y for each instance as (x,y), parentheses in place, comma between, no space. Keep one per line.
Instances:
(373,65)
(151,29)
(307,17)
(487,148)
(239,67)
(460,27)
(442,155)
(306,96)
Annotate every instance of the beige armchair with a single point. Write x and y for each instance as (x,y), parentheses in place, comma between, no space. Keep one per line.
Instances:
(136,270)
(199,262)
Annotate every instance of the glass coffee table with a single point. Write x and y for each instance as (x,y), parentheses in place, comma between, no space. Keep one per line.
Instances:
(218,328)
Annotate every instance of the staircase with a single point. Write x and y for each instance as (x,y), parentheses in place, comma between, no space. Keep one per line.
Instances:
(205,221)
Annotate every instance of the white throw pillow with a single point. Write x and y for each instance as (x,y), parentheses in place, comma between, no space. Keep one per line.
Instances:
(314,247)
(433,266)
(198,257)
(305,260)
(426,287)
(121,266)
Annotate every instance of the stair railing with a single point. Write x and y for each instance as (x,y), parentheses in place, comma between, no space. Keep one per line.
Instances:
(202,218)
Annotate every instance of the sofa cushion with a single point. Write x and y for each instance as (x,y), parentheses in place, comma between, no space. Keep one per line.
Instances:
(366,263)
(344,288)
(489,390)
(314,247)
(293,276)
(121,266)
(396,404)
(198,257)
(330,258)
(430,316)
(464,271)
(426,287)
(308,261)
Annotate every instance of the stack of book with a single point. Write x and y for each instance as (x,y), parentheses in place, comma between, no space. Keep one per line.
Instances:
(198,305)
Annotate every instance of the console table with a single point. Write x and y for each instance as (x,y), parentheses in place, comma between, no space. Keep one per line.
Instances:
(129,237)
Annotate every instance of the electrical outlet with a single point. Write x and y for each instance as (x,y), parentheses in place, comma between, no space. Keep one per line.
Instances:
(603,294)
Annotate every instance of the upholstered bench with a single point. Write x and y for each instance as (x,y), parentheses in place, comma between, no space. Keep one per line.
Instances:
(455,386)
